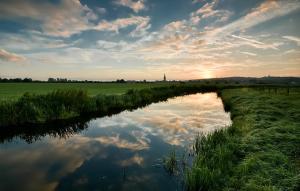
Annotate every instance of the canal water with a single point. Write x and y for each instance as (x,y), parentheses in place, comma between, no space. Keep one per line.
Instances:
(120,152)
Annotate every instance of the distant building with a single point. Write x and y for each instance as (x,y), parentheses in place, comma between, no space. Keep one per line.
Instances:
(165,79)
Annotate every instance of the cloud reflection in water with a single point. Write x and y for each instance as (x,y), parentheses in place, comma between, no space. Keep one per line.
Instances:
(98,155)
(176,121)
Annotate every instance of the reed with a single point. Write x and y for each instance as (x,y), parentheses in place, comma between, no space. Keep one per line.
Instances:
(170,163)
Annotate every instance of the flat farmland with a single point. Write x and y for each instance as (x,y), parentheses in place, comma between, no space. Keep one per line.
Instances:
(13,91)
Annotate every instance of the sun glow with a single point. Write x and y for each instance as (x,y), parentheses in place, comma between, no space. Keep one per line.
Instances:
(207,74)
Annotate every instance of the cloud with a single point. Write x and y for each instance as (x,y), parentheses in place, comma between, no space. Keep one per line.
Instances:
(171,43)
(209,10)
(142,25)
(175,26)
(101,10)
(292,51)
(140,144)
(56,21)
(136,6)
(249,40)
(257,44)
(249,53)
(31,41)
(293,38)
(114,46)
(136,159)
(266,11)
(63,19)
(11,57)
(195,19)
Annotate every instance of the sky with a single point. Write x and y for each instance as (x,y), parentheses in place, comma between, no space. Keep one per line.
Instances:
(143,39)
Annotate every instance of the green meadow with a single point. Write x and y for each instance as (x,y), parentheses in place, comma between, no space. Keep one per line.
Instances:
(13,91)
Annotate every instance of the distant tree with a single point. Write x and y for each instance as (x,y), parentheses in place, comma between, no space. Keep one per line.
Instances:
(121,81)
(27,80)
(17,80)
(51,80)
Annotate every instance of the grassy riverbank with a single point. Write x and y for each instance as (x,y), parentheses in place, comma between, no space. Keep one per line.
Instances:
(65,104)
(260,151)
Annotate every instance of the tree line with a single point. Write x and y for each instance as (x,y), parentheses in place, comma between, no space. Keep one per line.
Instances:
(61,80)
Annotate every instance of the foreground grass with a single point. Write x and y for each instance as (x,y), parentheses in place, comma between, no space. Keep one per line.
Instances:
(13,91)
(260,151)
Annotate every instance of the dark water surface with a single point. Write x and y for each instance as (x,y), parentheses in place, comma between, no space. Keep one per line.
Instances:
(122,152)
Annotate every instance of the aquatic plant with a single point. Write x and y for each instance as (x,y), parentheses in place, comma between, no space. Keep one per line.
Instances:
(170,163)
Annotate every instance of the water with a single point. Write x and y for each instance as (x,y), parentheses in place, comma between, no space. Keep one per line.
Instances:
(122,152)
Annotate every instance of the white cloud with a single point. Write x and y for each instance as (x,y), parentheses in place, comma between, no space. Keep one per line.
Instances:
(292,52)
(64,19)
(247,39)
(257,44)
(195,19)
(175,26)
(108,45)
(142,25)
(11,57)
(293,38)
(208,10)
(136,6)
(56,21)
(249,53)
(264,12)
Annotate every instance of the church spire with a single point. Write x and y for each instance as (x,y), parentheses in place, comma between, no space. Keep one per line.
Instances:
(165,79)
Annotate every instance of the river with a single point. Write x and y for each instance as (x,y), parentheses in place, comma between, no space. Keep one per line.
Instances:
(120,152)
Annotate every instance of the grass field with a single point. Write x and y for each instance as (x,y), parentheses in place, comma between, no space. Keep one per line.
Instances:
(259,152)
(13,91)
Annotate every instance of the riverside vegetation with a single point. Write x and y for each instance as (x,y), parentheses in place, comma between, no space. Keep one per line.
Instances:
(65,104)
(260,151)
